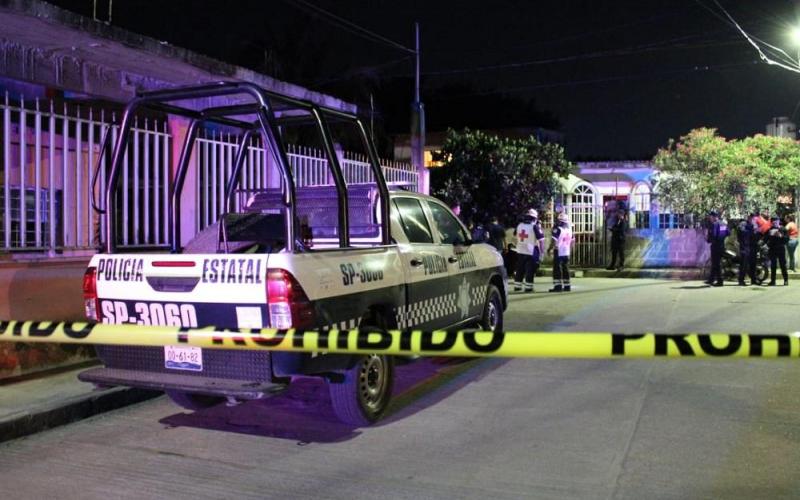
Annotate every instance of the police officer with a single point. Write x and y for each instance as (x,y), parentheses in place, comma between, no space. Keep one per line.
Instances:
(618,230)
(530,247)
(777,237)
(748,235)
(717,232)
(561,242)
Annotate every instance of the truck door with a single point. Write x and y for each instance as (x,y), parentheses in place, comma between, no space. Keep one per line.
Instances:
(428,304)
(466,284)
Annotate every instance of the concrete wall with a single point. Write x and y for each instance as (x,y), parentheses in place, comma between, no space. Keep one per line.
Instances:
(666,248)
(46,290)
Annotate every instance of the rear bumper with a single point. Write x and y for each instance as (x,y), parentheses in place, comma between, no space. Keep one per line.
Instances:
(213,386)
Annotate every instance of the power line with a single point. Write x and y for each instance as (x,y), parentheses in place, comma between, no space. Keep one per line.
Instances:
(779,56)
(575,83)
(577,36)
(654,47)
(347,25)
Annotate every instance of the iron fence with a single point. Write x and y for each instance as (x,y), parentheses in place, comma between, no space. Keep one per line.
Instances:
(48,153)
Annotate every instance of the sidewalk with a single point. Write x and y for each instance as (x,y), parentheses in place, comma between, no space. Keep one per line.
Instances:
(50,400)
(678,273)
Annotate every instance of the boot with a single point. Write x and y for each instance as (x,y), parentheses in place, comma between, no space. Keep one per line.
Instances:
(567,288)
(785,282)
(718,283)
(556,288)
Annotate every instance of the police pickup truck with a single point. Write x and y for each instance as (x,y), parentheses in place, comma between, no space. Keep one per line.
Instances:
(331,256)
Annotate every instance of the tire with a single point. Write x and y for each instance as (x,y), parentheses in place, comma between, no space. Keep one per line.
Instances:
(192,401)
(362,397)
(492,318)
(729,271)
(762,271)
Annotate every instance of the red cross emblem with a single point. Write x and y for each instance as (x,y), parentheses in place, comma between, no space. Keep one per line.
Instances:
(522,235)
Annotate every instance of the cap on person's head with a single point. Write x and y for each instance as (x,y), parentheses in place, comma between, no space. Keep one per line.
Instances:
(562,217)
(713,213)
(775,218)
(533,213)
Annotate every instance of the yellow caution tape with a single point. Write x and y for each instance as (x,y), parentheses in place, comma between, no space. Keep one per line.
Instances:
(437,343)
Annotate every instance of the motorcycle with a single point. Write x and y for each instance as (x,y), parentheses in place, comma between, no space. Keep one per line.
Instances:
(730,265)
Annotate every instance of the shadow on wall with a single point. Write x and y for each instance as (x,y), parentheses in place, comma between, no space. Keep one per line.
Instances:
(666,248)
(46,291)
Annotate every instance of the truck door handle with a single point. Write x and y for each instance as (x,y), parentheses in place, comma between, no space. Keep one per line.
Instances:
(452,259)
(415,262)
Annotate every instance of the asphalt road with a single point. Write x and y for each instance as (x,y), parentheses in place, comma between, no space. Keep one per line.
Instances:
(477,429)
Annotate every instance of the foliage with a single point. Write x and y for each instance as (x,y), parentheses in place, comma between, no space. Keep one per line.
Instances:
(704,171)
(492,176)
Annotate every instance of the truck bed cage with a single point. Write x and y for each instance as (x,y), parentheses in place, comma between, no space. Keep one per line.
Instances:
(264,115)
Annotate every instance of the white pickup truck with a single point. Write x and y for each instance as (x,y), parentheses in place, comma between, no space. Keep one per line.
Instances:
(338,256)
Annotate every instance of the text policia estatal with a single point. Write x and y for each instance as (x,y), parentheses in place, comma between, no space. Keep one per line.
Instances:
(407,342)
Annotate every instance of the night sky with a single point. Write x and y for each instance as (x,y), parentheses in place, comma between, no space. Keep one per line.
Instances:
(619,77)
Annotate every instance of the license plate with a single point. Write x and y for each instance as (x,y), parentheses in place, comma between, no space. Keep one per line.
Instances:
(183,358)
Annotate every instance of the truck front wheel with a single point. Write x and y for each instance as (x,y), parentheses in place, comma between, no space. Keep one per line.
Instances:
(362,396)
(492,318)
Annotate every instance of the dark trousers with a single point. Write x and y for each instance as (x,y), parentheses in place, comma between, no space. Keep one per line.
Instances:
(777,255)
(716,265)
(526,270)
(560,271)
(747,265)
(617,250)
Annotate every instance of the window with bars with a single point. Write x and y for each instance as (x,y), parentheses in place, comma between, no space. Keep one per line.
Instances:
(671,220)
(582,209)
(641,206)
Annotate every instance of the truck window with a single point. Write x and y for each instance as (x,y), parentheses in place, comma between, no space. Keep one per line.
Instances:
(413,220)
(450,230)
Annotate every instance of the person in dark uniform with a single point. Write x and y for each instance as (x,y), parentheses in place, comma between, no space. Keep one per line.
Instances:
(748,236)
(618,230)
(777,237)
(717,232)
(497,235)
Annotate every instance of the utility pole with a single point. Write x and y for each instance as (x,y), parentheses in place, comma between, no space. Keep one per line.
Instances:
(418,127)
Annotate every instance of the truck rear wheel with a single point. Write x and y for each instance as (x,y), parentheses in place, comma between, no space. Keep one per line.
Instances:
(192,401)
(362,397)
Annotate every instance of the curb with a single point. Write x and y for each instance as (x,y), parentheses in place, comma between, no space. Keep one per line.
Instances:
(685,274)
(71,410)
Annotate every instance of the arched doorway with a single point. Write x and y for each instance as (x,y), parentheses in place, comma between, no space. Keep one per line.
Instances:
(586,215)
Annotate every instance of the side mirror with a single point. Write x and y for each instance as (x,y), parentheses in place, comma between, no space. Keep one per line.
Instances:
(461,246)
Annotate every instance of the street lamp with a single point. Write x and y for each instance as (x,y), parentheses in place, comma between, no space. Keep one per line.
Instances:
(795,36)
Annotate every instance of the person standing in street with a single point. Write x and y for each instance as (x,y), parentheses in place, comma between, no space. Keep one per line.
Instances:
(530,247)
(497,235)
(618,230)
(777,238)
(561,242)
(791,229)
(747,234)
(717,232)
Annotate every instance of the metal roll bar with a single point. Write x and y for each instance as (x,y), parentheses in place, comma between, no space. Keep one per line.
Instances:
(264,107)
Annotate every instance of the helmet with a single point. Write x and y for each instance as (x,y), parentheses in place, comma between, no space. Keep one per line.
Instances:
(562,217)
(533,213)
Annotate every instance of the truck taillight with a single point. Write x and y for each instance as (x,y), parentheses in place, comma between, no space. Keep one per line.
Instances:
(91,303)
(288,304)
